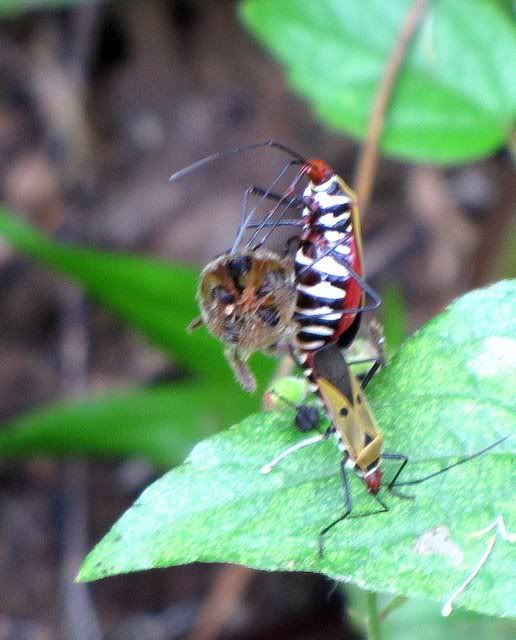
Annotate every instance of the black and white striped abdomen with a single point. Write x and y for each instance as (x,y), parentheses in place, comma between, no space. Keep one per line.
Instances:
(322,281)
(321,294)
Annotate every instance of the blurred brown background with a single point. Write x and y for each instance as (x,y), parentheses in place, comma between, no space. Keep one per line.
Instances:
(98,106)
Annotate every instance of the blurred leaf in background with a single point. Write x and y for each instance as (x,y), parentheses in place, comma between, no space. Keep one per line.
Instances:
(449,391)
(455,98)
(394,318)
(14,7)
(422,619)
(161,425)
(157,299)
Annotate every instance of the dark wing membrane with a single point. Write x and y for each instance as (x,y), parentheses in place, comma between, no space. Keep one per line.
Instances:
(330,363)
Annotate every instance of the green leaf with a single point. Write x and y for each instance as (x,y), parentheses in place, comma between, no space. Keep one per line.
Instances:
(394,314)
(14,7)
(155,297)
(422,620)
(445,394)
(403,619)
(456,94)
(159,424)
(158,299)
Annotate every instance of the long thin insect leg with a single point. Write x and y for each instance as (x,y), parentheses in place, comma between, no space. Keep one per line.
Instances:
(260,191)
(250,214)
(377,363)
(279,219)
(243,211)
(377,338)
(347,503)
(374,295)
(291,200)
(347,513)
(390,486)
(295,203)
(279,223)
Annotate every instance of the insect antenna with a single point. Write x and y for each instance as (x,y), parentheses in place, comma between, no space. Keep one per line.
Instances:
(298,159)
(267,468)
(451,466)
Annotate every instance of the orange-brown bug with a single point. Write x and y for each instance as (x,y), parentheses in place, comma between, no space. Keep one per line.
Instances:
(247,299)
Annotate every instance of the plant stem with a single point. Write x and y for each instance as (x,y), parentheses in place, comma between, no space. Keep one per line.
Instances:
(368,159)
(374,618)
(395,603)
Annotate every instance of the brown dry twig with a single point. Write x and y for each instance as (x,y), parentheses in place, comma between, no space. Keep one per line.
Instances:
(222,601)
(368,160)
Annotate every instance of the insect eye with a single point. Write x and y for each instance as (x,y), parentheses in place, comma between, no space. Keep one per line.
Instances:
(344,412)
(220,294)
(263,291)
(239,267)
(270,317)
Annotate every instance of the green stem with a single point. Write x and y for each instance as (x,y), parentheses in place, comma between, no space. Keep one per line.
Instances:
(394,604)
(374,618)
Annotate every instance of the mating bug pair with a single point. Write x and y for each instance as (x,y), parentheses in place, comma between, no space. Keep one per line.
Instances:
(247,295)
(253,299)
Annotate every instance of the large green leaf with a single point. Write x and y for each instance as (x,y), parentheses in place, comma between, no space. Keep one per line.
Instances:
(456,95)
(449,391)
(155,297)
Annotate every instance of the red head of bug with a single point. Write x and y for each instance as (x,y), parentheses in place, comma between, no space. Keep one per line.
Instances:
(318,171)
(374,481)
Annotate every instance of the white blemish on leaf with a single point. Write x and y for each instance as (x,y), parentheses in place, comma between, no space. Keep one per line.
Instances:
(203,454)
(437,541)
(497,357)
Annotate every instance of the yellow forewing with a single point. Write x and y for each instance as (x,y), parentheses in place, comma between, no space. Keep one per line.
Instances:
(355,222)
(343,417)
(364,414)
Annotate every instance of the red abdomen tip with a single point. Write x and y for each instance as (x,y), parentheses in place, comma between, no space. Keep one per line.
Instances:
(374,481)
